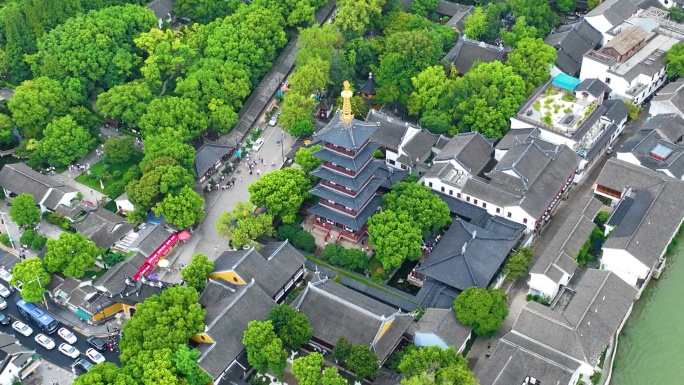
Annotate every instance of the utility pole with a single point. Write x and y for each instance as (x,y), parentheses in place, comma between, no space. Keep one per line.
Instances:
(2,215)
(282,145)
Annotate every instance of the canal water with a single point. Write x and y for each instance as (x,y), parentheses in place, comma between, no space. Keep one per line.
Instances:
(651,346)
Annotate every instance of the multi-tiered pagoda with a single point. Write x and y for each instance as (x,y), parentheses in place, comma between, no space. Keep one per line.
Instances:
(350,176)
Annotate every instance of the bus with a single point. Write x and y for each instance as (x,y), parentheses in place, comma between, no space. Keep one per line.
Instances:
(38,316)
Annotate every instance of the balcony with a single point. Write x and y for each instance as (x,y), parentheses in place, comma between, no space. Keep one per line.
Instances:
(339,188)
(340,169)
(338,207)
(636,90)
(340,150)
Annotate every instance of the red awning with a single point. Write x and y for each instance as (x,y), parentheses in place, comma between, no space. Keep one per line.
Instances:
(158,254)
(184,235)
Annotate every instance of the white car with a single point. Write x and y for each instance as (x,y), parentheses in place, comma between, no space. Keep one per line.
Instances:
(5,275)
(45,341)
(256,146)
(69,350)
(4,292)
(274,120)
(67,335)
(3,304)
(95,356)
(22,328)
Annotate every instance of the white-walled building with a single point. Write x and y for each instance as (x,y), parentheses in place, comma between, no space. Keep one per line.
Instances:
(571,43)
(669,100)
(647,217)
(47,192)
(610,13)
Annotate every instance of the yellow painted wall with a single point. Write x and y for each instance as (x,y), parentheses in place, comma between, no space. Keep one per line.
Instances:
(113,309)
(230,276)
(384,328)
(198,338)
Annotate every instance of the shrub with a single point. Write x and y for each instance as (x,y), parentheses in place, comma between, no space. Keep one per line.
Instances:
(568,98)
(567,110)
(39,243)
(28,237)
(228,169)
(93,176)
(4,239)
(305,241)
(287,232)
(112,259)
(115,189)
(537,106)
(116,174)
(255,134)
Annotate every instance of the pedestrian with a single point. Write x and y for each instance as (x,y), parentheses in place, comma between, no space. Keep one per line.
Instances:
(216,249)
(250,171)
(259,172)
(489,345)
(240,179)
(273,163)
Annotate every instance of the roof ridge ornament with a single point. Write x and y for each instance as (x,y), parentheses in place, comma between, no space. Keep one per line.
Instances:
(346,94)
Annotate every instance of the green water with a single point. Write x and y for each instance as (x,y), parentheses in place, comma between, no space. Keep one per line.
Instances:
(651,346)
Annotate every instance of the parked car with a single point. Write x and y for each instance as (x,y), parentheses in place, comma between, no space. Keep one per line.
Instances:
(3,304)
(45,341)
(5,275)
(69,350)
(4,319)
(67,335)
(4,292)
(97,343)
(22,328)
(256,146)
(95,356)
(274,120)
(82,363)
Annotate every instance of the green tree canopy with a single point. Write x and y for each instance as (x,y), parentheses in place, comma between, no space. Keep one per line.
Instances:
(332,377)
(438,122)
(166,177)
(352,259)
(183,209)
(354,15)
(342,350)
(441,366)
(166,53)
(302,128)
(127,101)
(363,362)
(422,7)
(24,210)
(195,274)
(532,59)
(520,30)
(119,150)
(674,59)
(165,146)
(281,192)
(19,41)
(242,226)
(517,264)
(33,278)
(290,325)
(486,97)
(428,87)
(104,373)
(70,49)
(565,5)
(173,117)
(307,369)
(64,142)
(264,348)
(162,321)
(426,209)
(204,11)
(184,359)
(476,24)
(297,108)
(537,13)
(362,54)
(482,309)
(304,157)
(70,254)
(394,237)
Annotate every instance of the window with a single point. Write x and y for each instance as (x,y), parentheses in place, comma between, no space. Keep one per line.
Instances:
(509,215)
(607,81)
(525,220)
(451,192)
(203,338)
(498,210)
(442,188)
(430,184)
(484,205)
(458,195)
(391,161)
(235,279)
(475,201)
(467,199)
(403,167)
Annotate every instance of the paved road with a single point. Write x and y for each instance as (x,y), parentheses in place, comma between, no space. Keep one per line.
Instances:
(8,261)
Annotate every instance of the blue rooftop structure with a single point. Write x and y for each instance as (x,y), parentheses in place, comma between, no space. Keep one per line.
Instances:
(565,82)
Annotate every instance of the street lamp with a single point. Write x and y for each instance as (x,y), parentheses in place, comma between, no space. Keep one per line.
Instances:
(2,215)
(282,145)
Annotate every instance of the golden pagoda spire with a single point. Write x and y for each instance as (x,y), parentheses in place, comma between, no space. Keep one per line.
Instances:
(346,94)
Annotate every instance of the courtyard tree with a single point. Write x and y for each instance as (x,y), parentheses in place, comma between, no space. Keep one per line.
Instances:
(565,5)
(162,145)
(24,210)
(127,101)
(183,209)
(354,15)
(297,108)
(426,209)
(33,278)
(172,116)
(204,11)
(517,264)
(332,377)
(70,254)
(184,359)
(532,59)
(674,59)
(537,13)
(428,86)
(195,274)
(290,325)
(476,24)
(341,351)
(19,41)
(302,128)
(281,192)
(363,362)
(422,7)
(64,142)
(307,369)
(242,225)
(104,373)
(482,309)
(520,30)
(264,348)
(36,103)
(162,321)
(305,159)
(352,259)
(395,237)
(119,150)
(437,365)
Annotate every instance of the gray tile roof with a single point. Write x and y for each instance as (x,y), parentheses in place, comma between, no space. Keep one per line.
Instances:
(229,322)
(336,311)
(471,150)
(668,126)
(103,227)
(419,147)
(462,209)
(271,267)
(456,21)
(350,136)
(593,87)
(114,280)
(207,155)
(467,256)
(571,43)
(514,136)
(644,142)
(652,227)
(355,202)
(352,182)
(467,52)
(615,11)
(354,163)
(161,8)
(443,324)
(616,110)
(355,223)
(390,131)
(153,240)
(20,178)
(399,301)
(672,94)
(435,294)
(559,254)
(585,323)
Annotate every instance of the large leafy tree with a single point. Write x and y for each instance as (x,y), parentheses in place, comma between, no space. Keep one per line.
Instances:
(482,309)
(166,54)
(532,59)
(185,361)
(127,102)
(674,59)
(264,348)
(242,225)
(294,11)
(332,377)
(394,237)
(428,87)
(353,16)
(162,321)
(24,210)
(304,158)
(517,264)
(70,254)
(436,365)
(341,351)
(119,150)
(298,110)
(104,373)
(43,15)
(95,47)
(64,142)
(195,274)
(204,11)
(537,13)
(565,5)
(290,325)
(352,259)
(175,117)
(183,209)
(6,131)
(281,192)
(476,24)
(307,369)
(362,54)
(363,362)
(20,41)
(426,209)
(485,98)
(166,146)
(520,30)
(310,77)
(33,278)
